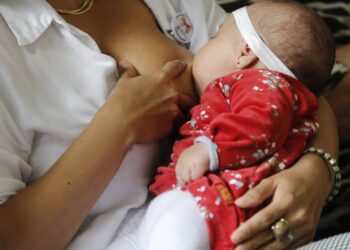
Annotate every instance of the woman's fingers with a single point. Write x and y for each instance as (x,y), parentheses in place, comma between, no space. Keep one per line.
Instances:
(259,240)
(260,221)
(299,239)
(281,202)
(253,198)
(294,199)
(151,101)
(266,239)
(126,69)
(171,70)
(168,72)
(285,204)
(257,195)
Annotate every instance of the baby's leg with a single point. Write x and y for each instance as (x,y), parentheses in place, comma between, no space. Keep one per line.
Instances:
(172,222)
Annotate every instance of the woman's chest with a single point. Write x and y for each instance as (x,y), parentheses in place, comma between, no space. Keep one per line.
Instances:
(128,30)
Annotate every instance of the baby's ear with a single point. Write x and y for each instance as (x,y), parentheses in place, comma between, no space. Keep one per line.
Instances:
(246,57)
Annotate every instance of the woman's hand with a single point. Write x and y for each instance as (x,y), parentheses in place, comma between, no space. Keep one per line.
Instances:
(298,195)
(149,104)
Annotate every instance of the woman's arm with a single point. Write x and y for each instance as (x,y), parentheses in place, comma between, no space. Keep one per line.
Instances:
(298,195)
(47,214)
(339,97)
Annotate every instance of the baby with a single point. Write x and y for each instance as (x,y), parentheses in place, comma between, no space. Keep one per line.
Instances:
(269,61)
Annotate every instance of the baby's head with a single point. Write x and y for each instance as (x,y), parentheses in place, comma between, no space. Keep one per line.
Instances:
(293,32)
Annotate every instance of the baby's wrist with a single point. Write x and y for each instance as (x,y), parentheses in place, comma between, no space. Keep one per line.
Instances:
(212,152)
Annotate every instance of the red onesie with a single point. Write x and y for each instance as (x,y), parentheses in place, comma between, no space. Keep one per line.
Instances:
(260,122)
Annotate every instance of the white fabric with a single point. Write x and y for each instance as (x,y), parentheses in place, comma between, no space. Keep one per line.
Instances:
(53,79)
(257,45)
(212,151)
(173,221)
(205,15)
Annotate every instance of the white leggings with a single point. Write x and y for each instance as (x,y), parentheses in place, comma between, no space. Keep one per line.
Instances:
(172,222)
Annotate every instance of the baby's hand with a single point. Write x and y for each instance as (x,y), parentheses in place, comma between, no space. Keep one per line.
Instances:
(193,163)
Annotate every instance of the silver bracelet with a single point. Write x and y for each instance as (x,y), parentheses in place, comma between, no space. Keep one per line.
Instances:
(332,163)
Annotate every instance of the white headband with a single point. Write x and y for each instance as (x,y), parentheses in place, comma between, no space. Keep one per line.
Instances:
(257,45)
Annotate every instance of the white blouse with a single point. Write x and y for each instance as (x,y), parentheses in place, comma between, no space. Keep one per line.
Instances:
(53,79)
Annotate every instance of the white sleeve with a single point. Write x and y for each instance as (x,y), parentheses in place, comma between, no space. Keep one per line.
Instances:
(206,17)
(212,152)
(14,151)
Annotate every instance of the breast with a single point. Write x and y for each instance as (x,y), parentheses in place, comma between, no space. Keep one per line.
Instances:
(133,34)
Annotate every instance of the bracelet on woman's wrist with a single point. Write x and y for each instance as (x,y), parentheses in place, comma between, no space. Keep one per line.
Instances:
(332,164)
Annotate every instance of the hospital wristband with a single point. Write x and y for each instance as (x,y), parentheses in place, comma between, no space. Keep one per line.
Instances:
(213,156)
(333,166)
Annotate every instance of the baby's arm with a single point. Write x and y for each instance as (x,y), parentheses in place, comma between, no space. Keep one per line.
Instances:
(257,126)
(260,121)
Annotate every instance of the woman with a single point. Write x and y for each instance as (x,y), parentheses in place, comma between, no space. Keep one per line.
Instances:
(66,130)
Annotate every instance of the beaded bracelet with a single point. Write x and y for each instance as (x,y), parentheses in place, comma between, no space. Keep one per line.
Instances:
(333,165)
